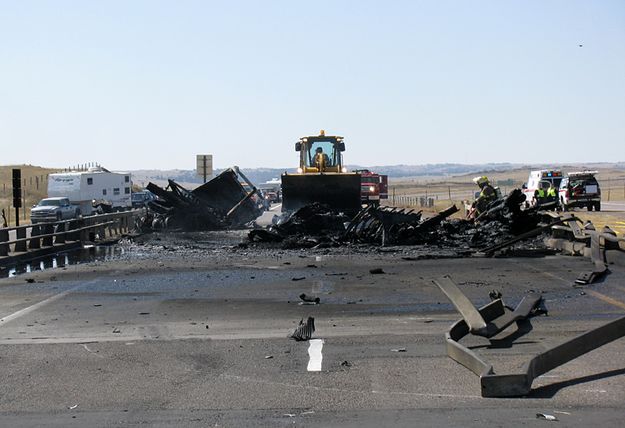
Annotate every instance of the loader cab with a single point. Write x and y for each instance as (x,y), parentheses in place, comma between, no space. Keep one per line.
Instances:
(330,146)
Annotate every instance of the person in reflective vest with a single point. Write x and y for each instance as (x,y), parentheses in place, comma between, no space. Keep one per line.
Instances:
(539,195)
(552,193)
(487,195)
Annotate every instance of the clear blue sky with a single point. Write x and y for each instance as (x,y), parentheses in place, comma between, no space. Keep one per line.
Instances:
(149,84)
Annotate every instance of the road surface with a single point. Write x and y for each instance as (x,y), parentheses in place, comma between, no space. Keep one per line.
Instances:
(197,336)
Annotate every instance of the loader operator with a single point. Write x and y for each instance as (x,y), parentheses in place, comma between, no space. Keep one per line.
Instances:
(487,195)
(321,159)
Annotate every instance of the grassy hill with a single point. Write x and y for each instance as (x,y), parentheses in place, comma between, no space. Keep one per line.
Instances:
(34,186)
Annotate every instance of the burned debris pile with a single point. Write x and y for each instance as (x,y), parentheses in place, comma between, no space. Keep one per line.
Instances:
(317,225)
(310,226)
(221,203)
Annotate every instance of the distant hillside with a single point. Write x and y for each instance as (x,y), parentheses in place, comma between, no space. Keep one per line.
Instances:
(428,171)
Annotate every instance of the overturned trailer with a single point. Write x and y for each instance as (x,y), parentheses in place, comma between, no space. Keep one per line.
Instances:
(221,203)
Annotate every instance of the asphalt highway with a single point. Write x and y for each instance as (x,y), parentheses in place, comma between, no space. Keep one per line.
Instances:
(174,339)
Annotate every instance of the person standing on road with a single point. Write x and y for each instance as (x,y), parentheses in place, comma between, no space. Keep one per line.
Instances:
(552,194)
(539,195)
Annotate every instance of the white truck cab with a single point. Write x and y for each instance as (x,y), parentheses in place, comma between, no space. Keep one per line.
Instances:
(541,178)
(53,209)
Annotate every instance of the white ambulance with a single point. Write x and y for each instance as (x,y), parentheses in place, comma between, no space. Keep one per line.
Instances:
(541,178)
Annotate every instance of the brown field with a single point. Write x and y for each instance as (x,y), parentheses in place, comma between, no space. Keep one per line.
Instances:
(460,189)
(405,192)
(34,186)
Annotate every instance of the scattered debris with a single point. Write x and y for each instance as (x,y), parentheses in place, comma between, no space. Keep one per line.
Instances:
(268,357)
(376,271)
(494,294)
(309,299)
(346,364)
(298,278)
(30,280)
(304,330)
(73,407)
(546,417)
(116,330)
(398,350)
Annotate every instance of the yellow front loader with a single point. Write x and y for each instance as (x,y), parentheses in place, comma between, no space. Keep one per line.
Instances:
(321,176)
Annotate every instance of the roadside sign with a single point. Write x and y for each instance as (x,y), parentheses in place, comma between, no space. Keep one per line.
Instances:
(204,166)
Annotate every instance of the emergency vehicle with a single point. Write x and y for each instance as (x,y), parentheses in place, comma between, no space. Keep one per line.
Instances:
(373,187)
(580,189)
(541,178)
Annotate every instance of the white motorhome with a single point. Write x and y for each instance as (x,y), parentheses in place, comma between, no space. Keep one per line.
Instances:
(96,185)
(541,178)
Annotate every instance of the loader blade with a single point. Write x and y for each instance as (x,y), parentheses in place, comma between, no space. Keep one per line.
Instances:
(338,191)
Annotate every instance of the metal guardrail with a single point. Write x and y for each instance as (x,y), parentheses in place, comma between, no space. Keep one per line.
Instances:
(496,316)
(59,233)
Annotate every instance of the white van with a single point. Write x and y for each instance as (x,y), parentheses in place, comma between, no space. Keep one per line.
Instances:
(96,185)
(541,178)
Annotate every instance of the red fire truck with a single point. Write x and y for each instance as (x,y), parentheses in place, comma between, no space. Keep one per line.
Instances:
(373,187)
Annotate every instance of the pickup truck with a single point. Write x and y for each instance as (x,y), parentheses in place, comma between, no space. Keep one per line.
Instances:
(580,189)
(53,209)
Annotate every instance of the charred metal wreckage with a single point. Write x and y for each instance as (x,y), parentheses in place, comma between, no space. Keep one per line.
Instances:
(221,203)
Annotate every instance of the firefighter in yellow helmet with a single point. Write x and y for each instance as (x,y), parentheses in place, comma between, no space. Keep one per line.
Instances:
(487,195)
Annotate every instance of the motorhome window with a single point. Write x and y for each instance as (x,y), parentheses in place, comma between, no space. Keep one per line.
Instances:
(127,179)
(104,192)
(89,180)
(127,190)
(116,191)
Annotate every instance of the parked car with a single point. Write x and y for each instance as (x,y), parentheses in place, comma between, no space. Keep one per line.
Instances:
(53,209)
(580,189)
(141,199)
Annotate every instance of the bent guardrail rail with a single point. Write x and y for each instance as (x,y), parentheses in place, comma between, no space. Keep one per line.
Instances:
(515,384)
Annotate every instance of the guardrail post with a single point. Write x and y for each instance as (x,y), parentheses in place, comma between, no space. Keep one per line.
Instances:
(20,233)
(73,236)
(47,230)
(60,229)
(4,237)
(34,242)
